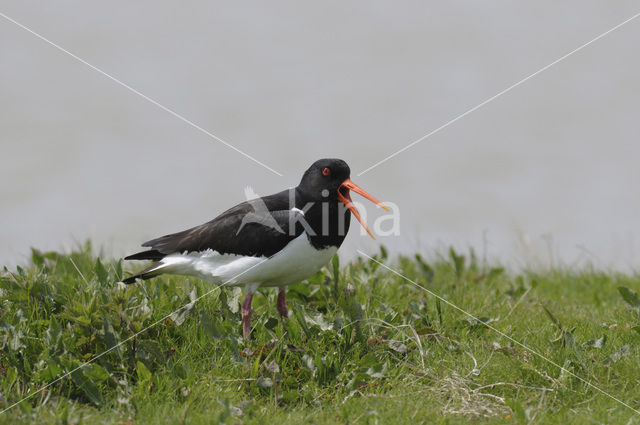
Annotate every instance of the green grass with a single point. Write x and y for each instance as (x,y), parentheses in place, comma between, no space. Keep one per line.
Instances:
(361,346)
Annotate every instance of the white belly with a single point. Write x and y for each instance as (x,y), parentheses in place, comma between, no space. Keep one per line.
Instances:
(295,262)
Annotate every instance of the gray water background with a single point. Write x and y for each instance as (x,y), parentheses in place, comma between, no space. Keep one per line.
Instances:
(546,174)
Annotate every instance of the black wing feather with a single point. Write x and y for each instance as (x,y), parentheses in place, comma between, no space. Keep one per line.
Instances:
(152,254)
(235,231)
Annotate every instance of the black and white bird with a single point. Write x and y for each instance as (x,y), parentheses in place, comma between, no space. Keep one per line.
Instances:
(272,241)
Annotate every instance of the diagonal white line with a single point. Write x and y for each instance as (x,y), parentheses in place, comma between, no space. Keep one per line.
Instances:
(480,105)
(532,351)
(128,339)
(131,89)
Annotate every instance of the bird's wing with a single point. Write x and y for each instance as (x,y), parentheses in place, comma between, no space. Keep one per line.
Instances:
(259,227)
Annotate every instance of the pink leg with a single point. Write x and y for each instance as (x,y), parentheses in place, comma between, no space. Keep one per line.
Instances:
(281,304)
(246,315)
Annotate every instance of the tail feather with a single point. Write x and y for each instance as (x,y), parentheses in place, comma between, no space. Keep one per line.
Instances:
(148,273)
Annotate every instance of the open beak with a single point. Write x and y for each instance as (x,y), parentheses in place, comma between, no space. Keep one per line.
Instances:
(349,185)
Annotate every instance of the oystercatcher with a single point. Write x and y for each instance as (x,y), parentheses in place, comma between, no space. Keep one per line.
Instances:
(273,241)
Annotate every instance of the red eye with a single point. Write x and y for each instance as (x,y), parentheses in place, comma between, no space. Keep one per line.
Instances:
(326,172)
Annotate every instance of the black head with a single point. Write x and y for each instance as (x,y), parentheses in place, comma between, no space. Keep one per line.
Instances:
(324,175)
(328,180)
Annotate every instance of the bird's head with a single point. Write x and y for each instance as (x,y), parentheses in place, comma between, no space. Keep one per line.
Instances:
(328,180)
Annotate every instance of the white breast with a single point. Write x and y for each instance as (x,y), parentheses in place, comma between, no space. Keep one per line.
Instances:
(295,262)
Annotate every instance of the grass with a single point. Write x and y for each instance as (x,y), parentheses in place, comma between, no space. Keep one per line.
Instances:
(361,346)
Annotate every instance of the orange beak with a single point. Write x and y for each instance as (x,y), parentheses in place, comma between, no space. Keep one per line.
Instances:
(349,185)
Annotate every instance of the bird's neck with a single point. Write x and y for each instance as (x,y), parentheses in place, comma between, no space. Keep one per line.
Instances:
(328,220)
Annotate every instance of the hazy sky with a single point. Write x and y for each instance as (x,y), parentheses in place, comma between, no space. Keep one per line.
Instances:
(546,171)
